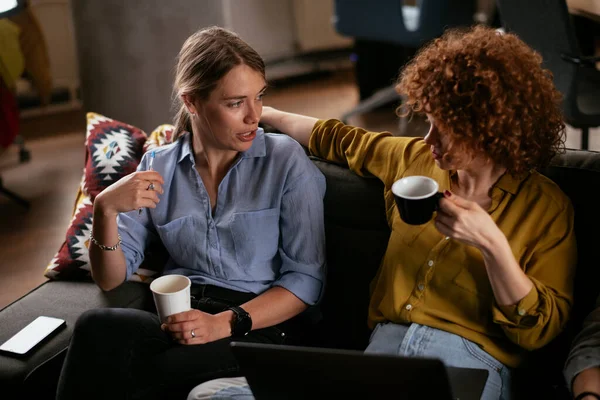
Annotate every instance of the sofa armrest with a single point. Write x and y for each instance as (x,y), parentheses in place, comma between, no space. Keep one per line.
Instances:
(61,299)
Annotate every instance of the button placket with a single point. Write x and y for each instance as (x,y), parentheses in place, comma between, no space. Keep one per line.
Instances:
(212,235)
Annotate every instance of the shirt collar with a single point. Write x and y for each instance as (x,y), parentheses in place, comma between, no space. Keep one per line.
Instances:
(258,149)
(507,182)
(510,183)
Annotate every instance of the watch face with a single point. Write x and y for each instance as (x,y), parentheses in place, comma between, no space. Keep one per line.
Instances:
(243,325)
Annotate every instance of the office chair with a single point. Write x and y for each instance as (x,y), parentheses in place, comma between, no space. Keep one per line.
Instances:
(393,22)
(547,27)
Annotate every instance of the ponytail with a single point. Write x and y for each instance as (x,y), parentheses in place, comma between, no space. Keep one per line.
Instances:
(182,122)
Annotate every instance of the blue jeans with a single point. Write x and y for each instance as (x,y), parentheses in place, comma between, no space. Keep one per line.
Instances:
(423,341)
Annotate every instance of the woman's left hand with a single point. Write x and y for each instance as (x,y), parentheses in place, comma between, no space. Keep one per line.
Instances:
(206,327)
(465,221)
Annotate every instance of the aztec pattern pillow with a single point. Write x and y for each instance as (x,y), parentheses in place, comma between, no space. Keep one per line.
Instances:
(113,150)
(159,137)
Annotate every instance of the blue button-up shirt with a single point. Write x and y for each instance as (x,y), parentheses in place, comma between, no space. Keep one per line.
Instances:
(267,229)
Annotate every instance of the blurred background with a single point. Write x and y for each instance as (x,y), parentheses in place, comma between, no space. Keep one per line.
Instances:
(62,58)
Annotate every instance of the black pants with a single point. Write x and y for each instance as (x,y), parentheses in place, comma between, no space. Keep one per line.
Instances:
(123,353)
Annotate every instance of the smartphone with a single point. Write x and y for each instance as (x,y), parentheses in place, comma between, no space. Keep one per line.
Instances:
(34,333)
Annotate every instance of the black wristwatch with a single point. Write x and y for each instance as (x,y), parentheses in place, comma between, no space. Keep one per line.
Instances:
(242,323)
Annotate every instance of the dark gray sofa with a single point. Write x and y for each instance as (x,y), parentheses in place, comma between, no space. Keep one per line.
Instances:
(357,235)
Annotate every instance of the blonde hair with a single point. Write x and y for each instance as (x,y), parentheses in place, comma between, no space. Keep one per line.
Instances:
(207,56)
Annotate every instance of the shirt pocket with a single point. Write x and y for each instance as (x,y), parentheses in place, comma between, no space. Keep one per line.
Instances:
(474,279)
(255,237)
(178,238)
(474,293)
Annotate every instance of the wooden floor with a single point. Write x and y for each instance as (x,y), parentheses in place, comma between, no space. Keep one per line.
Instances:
(29,239)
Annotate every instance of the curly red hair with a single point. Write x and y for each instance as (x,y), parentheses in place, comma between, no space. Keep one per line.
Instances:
(489,92)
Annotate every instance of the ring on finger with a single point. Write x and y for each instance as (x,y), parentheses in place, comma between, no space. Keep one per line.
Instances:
(150,186)
(193,334)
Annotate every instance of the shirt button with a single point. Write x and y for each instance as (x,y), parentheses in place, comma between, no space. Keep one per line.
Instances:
(408,307)
(421,287)
(430,263)
(447,238)
(521,312)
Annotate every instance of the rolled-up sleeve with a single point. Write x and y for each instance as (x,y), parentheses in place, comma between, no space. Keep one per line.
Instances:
(136,232)
(135,237)
(542,314)
(302,249)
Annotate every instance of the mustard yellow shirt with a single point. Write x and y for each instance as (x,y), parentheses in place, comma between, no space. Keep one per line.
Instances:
(432,280)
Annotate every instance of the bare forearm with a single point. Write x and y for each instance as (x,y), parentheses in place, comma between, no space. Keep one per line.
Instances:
(108,267)
(509,283)
(273,307)
(587,381)
(297,126)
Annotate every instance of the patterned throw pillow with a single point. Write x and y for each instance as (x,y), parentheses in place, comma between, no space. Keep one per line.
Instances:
(113,150)
(159,137)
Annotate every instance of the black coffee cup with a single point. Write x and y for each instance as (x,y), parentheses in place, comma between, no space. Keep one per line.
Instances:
(417,198)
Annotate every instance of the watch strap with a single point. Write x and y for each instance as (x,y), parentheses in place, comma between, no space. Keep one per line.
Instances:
(239,311)
(241,318)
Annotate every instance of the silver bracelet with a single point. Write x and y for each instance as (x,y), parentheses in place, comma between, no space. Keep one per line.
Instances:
(103,247)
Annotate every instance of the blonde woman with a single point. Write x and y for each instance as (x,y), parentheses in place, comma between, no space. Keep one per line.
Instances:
(240,212)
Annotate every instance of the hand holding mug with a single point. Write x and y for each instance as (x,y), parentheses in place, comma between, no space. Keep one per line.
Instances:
(466,221)
(198,327)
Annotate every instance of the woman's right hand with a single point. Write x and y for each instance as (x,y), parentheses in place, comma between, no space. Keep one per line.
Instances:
(130,193)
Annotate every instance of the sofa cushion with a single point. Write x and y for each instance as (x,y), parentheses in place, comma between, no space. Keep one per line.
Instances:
(113,150)
(60,299)
(71,262)
(577,172)
(357,234)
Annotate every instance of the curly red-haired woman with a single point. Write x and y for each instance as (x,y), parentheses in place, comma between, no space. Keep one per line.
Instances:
(490,277)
